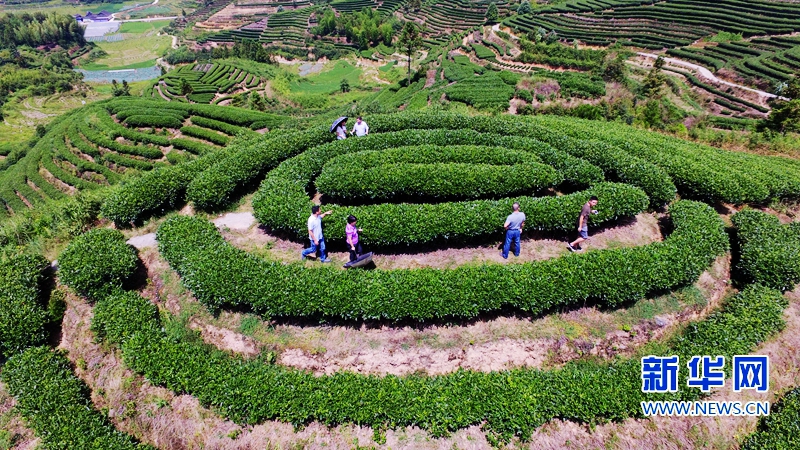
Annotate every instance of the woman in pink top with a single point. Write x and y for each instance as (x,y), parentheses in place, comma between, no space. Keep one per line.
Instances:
(352,238)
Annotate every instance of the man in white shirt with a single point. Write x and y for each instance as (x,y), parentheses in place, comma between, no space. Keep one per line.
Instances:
(360,128)
(315,235)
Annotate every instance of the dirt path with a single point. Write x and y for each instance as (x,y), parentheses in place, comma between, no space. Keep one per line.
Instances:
(19,435)
(705,73)
(484,345)
(158,88)
(641,230)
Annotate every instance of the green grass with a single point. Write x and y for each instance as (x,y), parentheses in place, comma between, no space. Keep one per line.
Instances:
(388,66)
(64,8)
(139,65)
(165,8)
(327,82)
(142,27)
(22,116)
(131,53)
(104,89)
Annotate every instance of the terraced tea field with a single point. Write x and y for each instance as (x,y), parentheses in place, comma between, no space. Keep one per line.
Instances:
(163,334)
(101,145)
(207,82)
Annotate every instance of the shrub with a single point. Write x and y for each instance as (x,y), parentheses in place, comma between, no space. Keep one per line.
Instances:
(282,203)
(197,148)
(22,315)
(231,130)
(434,172)
(207,135)
(160,121)
(56,404)
(221,275)
(96,261)
(781,429)
(250,158)
(487,92)
(121,314)
(508,403)
(524,94)
(156,192)
(770,252)
(623,166)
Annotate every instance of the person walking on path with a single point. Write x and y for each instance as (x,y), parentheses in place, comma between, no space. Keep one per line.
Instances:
(351,231)
(341,130)
(583,224)
(315,235)
(360,128)
(513,226)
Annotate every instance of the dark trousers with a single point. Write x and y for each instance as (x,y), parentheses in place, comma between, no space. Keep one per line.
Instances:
(512,236)
(354,253)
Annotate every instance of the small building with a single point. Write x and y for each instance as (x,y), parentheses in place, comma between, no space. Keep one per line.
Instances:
(102,16)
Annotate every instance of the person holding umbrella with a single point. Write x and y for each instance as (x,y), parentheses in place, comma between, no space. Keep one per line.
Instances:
(340,128)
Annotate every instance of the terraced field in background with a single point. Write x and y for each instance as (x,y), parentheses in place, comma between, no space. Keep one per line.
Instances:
(658,25)
(101,145)
(441,20)
(206,81)
(766,61)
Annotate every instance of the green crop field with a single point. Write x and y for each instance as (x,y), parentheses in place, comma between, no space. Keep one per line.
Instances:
(142,27)
(141,51)
(327,82)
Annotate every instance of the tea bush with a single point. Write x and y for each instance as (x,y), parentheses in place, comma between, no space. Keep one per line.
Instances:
(283,205)
(770,251)
(97,260)
(781,429)
(222,275)
(57,406)
(23,316)
(251,158)
(434,172)
(509,403)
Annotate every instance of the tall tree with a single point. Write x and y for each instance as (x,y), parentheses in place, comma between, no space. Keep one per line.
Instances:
(410,41)
(492,14)
(524,7)
(651,87)
(785,114)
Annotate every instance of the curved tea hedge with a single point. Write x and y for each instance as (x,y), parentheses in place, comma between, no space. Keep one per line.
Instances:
(781,429)
(508,403)
(222,275)
(282,202)
(617,164)
(434,172)
(250,158)
(283,205)
(57,405)
(648,160)
(215,187)
(97,260)
(23,316)
(770,251)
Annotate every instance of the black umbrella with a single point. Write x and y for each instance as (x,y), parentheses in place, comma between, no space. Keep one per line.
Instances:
(337,122)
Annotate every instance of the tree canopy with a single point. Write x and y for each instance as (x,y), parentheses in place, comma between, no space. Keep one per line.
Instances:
(39,29)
